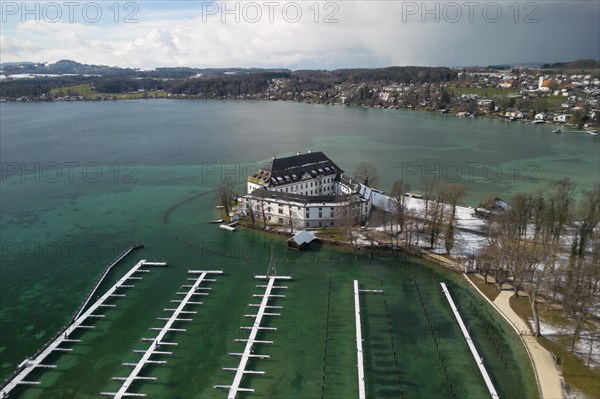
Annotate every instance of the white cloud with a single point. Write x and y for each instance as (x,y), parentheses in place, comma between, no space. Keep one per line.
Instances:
(374,33)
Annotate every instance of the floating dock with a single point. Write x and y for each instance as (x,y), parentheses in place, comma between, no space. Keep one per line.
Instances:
(359,346)
(229,227)
(55,346)
(478,359)
(157,341)
(263,307)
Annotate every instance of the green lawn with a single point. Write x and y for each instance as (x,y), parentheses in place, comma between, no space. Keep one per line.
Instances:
(84,89)
(489,290)
(575,372)
(87,91)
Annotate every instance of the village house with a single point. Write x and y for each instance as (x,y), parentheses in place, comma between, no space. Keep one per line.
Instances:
(307,191)
(544,85)
(507,84)
(562,118)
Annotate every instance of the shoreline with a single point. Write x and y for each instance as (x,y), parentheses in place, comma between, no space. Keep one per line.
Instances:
(372,249)
(548,383)
(589,130)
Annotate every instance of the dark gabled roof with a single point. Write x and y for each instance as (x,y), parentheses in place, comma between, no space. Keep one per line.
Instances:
(312,163)
(295,168)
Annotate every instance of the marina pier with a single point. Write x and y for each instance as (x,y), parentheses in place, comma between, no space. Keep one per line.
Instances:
(465,332)
(263,310)
(157,342)
(55,345)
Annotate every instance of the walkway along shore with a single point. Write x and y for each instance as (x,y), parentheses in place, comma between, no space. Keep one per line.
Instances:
(548,378)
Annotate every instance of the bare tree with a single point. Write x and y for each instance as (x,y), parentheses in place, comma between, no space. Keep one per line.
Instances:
(452,193)
(584,296)
(538,265)
(581,294)
(487,258)
(366,173)
(226,196)
(290,218)
(531,261)
(388,225)
(520,213)
(436,217)
(251,214)
(411,228)
(563,198)
(262,208)
(346,217)
(589,215)
(428,188)
(398,202)
(539,216)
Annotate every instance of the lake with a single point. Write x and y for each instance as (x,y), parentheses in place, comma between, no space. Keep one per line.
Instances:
(82,181)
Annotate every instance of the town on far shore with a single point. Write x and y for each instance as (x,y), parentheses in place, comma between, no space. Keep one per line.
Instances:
(564,93)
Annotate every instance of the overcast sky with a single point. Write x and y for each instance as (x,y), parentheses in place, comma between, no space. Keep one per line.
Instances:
(302,34)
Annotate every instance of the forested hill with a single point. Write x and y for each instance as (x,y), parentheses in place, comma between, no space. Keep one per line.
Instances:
(48,78)
(408,74)
(68,67)
(579,64)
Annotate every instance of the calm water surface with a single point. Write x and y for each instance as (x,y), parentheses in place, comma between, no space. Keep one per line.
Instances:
(82,181)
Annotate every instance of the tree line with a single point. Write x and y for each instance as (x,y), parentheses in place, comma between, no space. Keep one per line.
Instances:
(545,244)
(548,244)
(211,82)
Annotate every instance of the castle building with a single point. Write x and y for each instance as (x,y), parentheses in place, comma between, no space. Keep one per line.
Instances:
(308,191)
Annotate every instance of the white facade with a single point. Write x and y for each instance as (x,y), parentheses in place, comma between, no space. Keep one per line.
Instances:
(308,214)
(310,191)
(320,185)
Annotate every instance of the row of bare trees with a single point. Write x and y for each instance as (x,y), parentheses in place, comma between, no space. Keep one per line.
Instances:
(548,245)
(435,220)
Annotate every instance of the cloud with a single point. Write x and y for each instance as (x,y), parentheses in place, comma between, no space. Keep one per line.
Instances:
(316,35)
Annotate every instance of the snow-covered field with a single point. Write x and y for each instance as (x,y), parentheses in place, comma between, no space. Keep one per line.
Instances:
(466,242)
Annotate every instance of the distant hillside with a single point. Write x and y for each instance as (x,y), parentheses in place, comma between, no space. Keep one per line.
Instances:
(62,67)
(579,64)
(68,67)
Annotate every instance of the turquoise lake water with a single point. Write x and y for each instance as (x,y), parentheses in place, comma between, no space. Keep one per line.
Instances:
(82,181)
